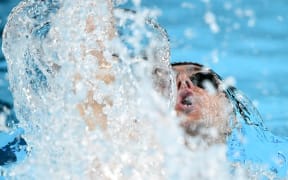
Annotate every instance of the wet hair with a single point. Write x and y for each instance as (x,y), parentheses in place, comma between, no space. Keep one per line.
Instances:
(187,63)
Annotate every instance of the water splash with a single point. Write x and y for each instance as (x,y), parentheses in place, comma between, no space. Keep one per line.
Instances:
(41,73)
(56,66)
(251,144)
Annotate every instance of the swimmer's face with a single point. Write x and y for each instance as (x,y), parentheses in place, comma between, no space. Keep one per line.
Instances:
(196,88)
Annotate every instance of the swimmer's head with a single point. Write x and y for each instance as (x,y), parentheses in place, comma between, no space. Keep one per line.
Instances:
(199,94)
(199,76)
(195,85)
(200,99)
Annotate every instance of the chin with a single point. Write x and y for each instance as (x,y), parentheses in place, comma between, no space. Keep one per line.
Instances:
(196,125)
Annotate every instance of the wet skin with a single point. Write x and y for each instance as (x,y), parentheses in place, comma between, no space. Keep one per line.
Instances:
(192,97)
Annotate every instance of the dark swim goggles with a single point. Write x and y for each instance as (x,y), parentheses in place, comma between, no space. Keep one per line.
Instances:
(203,78)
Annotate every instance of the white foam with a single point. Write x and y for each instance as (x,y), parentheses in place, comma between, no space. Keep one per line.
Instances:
(142,139)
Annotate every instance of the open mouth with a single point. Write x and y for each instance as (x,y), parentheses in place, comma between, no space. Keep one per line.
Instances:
(185,101)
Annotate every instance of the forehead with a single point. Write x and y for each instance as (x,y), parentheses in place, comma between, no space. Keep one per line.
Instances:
(187,67)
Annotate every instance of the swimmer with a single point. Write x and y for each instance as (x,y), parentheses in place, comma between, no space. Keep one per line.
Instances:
(201,102)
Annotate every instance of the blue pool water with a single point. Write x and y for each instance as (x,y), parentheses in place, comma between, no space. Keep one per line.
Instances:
(252,48)
(246,40)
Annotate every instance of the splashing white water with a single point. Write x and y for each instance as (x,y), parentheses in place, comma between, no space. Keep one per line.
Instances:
(55,66)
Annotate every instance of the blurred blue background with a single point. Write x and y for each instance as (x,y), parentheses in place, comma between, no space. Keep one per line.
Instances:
(246,40)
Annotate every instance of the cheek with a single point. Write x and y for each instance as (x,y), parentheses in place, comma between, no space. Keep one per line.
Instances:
(195,115)
(202,100)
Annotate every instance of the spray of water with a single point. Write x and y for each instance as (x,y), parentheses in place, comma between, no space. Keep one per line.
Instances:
(81,74)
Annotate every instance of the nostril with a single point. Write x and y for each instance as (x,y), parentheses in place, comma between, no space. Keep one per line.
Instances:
(187,84)
(179,84)
(183,84)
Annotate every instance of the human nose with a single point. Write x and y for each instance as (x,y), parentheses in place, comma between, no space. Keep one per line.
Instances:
(183,81)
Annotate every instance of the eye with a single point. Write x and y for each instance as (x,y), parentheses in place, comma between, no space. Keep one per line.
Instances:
(199,80)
